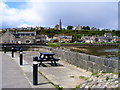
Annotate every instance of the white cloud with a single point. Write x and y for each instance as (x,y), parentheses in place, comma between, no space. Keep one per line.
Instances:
(44,13)
(14,17)
(25,25)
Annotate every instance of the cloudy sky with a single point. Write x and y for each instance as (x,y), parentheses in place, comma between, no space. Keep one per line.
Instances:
(45,13)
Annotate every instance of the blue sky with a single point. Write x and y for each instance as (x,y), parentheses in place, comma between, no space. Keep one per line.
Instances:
(18,5)
(93,14)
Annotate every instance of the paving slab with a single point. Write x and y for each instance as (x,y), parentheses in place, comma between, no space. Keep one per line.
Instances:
(64,75)
(12,75)
(28,72)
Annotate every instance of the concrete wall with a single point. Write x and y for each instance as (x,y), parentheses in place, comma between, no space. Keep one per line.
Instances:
(88,62)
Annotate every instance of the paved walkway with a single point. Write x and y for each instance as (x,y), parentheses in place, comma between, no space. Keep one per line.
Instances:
(16,76)
(64,75)
(12,75)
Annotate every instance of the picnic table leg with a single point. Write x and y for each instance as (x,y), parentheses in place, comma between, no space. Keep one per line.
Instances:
(51,62)
(55,63)
(40,63)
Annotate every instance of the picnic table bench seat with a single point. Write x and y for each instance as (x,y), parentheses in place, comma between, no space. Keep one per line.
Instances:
(46,60)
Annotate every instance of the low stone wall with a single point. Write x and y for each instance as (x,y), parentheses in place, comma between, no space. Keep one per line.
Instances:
(87,62)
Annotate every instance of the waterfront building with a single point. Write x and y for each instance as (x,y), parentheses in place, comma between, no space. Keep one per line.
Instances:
(63,38)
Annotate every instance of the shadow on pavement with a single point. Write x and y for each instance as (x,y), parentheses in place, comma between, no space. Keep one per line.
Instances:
(51,65)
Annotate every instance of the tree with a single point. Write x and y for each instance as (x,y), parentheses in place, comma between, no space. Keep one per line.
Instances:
(86,28)
(117,33)
(41,28)
(69,27)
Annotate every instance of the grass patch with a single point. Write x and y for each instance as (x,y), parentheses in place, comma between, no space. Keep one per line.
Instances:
(95,74)
(57,86)
(104,72)
(53,44)
(107,78)
(117,73)
(83,77)
(78,86)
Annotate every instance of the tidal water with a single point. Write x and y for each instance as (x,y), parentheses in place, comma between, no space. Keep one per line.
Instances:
(101,51)
(112,50)
(115,51)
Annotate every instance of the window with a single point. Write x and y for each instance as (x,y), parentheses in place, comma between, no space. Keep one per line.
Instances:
(27,41)
(27,34)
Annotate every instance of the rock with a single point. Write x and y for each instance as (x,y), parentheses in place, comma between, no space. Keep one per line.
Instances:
(116,82)
(108,80)
(87,87)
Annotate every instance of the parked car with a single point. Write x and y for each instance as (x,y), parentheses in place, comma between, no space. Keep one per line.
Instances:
(61,41)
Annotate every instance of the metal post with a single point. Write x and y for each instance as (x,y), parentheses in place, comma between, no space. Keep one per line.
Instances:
(5,49)
(35,71)
(12,51)
(21,58)
(20,50)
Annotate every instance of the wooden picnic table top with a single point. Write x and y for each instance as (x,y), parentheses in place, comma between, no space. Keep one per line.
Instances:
(46,53)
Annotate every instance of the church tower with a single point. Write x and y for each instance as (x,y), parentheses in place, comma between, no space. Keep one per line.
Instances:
(60,24)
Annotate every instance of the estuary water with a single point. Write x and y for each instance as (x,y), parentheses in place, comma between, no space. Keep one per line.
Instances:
(116,57)
(101,51)
(112,50)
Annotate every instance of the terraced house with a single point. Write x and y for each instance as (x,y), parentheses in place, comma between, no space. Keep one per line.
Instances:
(18,37)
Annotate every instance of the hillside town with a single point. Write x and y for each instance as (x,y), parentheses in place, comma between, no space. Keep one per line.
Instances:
(57,45)
(32,35)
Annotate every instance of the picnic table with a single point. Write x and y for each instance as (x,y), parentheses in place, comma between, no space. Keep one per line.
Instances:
(46,56)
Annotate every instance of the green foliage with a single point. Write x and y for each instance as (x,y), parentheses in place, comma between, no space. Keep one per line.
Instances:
(96,74)
(53,45)
(86,28)
(104,72)
(77,34)
(78,86)
(118,53)
(58,87)
(69,27)
(107,78)
(117,33)
(83,77)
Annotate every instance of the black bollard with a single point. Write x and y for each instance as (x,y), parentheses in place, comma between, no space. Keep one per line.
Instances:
(5,49)
(21,58)
(12,51)
(20,49)
(35,71)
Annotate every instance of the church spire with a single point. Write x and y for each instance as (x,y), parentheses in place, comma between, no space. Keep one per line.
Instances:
(60,23)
